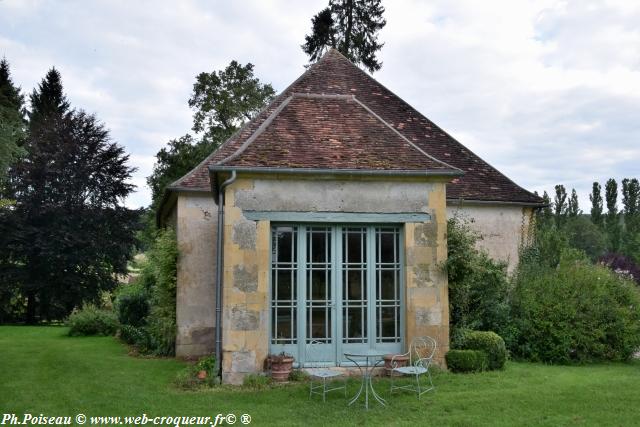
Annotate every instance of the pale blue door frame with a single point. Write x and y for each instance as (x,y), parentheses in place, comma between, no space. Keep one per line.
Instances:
(342,285)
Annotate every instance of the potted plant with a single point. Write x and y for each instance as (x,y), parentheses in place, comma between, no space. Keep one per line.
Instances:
(399,360)
(205,366)
(281,366)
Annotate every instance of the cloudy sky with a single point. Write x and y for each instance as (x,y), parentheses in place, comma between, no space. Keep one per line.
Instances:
(546,91)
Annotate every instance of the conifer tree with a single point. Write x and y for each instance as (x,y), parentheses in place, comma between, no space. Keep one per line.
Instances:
(68,235)
(352,27)
(12,126)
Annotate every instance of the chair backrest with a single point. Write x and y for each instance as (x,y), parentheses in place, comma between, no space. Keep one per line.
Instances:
(421,351)
(314,354)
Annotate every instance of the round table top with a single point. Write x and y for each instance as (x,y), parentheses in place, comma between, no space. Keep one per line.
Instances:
(366,353)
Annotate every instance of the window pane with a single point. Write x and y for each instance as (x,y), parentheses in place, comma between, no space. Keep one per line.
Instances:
(318,248)
(388,322)
(386,247)
(319,283)
(354,285)
(387,284)
(284,245)
(320,324)
(354,324)
(284,289)
(355,242)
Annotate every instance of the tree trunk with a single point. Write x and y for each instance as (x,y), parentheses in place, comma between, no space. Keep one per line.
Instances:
(31,308)
(347,35)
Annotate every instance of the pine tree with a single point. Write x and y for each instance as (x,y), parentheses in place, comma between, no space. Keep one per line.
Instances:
(68,235)
(573,210)
(596,204)
(48,101)
(631,210)
(560,204)
(352,27)
(12,125)
(612,217)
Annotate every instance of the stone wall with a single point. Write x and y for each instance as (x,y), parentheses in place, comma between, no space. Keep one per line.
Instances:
(503,228)
(246,264)
(196,222)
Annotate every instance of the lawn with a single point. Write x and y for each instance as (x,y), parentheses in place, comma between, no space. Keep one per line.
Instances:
(43,371)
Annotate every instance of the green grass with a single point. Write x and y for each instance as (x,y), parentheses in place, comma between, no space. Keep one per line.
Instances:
(43,371)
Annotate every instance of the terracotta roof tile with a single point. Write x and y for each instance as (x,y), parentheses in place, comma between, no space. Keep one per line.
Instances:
(326,133)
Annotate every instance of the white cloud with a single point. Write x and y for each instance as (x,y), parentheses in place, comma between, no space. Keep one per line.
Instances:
(546,91)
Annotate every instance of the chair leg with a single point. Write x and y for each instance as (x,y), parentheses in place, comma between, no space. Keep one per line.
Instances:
(345,386)
(392,383)
(310,388)
(418,384)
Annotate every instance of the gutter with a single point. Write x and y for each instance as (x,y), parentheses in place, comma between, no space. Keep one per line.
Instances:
(471,202)
(349,172)
(220,266)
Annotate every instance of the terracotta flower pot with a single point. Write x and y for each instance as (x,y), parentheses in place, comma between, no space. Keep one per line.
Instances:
(202,375)
(399,362)
(281,367)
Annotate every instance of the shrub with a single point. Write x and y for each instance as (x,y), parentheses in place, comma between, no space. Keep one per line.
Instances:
(298,375)
(576,312)
(467,360)
(161,321)
(478,285)
(91,320)
(622,265)
(490,343)
(132,305)
(137,336)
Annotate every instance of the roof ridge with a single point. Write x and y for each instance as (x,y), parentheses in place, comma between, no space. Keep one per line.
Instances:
(397,132)
(208,159)
(257,132)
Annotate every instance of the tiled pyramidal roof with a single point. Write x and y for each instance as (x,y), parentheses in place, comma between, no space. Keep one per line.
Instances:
(335,116)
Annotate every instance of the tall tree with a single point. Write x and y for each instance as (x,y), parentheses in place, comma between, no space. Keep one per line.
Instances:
(352,27)
(596,204)
(48,101)
(612,217)
(69,234)
(631,204)
(222,101)
(573,209)
(560,204)
(12,126)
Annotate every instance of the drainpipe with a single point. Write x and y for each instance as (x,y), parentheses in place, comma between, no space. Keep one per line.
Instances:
(220,270)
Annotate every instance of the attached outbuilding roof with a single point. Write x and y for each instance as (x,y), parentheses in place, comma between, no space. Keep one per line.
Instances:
(337,117)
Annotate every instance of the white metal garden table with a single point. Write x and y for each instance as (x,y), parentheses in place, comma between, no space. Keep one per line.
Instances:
(372,358)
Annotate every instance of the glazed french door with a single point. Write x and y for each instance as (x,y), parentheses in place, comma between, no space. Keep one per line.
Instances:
(337,285)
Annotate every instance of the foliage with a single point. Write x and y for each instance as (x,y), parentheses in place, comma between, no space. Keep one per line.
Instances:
(622,265)
(298,375)
(132,304)
(133,335)
(12,125)
(467,360)
(91,320)
(573,209)
(586,236)
(68,235)
(596,204)
(490,343)
(207,363)
(478,285)
(612,217)
(352,27)
(161,322)
(575,312)
(256,381)
(187,379)
(224,99)
(560,205)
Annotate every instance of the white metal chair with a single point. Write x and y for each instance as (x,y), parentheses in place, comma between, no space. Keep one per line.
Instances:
(421,353)
(317,369)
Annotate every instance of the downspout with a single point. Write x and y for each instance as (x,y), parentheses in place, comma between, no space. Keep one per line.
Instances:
(219,271)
